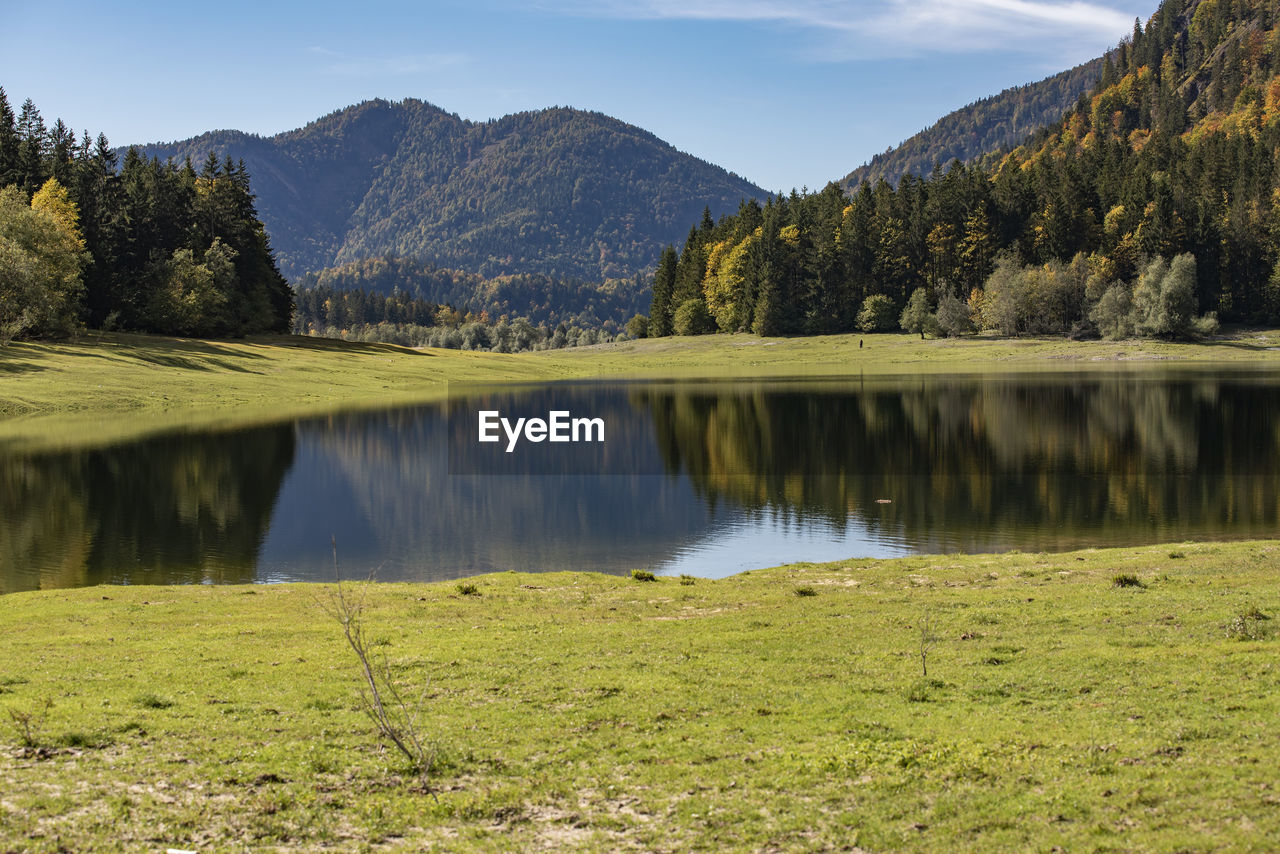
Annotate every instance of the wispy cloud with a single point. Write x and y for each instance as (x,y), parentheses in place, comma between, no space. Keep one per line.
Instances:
(404,65)
(899,27)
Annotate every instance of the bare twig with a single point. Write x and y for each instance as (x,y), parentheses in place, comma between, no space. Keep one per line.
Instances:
(395,719)
(29,725)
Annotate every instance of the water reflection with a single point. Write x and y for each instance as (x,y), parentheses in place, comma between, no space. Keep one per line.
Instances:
(993,463)
(172,509)
(751,474)
(380,484)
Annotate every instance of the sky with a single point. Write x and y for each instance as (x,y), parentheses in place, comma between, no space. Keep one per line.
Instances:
(786,93)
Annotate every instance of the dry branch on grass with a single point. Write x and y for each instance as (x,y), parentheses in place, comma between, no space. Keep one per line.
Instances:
(397,720)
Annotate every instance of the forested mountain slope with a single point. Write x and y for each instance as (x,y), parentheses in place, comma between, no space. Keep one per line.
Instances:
(992,124)
(1171,155)
(556,191)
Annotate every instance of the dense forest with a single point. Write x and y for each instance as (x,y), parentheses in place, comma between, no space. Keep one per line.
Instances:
(139,245)
(1151,203)
(992,124)
(559,192)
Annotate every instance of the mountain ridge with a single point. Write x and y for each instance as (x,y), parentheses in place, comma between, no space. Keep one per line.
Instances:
(558,191)
(982,127)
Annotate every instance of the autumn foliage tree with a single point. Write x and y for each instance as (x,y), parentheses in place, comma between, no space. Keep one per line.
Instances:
(141,245)
(41,259)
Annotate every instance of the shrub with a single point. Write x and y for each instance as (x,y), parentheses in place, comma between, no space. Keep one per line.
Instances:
(396,719)
(1112,314)
(806,591)
(643,575)
(918,692)
(1250,625)
(468,589)
(1084,330)
(638,326)
(152,701)
(1127,580)
(692,318)
(953,316)
(29,724)
(877,314)
(687,580)
(916,317)
(1205,325)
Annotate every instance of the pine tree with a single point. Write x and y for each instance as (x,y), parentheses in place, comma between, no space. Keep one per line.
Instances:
(10,154)
(664,282)
(33,141)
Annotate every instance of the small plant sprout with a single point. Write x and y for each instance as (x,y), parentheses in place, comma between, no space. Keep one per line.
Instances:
(29,724)
(927,640)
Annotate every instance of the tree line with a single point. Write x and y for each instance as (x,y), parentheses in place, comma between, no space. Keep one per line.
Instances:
(1172,153)
(88,240)
(541,298)
(405,318)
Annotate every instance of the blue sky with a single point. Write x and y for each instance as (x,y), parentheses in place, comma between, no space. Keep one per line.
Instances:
(783,93)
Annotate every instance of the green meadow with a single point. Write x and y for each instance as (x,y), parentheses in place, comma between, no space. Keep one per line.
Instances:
(106,387)
(1097,700)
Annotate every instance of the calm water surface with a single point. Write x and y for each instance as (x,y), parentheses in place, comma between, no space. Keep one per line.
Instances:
(703,478)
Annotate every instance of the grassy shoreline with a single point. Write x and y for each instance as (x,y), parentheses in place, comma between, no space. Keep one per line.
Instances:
(107,387)
(781,709)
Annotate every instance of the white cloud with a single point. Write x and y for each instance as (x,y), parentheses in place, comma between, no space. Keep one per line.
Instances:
(898,27)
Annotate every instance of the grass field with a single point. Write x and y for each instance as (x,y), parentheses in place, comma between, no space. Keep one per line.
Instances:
(111,386)
(784,709)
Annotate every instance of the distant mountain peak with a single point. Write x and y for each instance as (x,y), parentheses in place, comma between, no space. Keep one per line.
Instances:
(560,190)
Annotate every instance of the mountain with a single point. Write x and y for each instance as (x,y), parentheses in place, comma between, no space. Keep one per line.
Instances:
(1175,150)
(992,124)
(1152,204)
(556,191)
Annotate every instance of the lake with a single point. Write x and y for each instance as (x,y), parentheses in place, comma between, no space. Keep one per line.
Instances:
(703,478)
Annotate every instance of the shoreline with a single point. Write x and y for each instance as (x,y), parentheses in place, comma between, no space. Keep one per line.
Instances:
(112,387)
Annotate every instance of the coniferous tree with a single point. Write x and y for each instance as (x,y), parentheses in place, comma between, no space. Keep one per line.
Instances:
(33,141)
(157,247)
(664,283)
(10,155)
